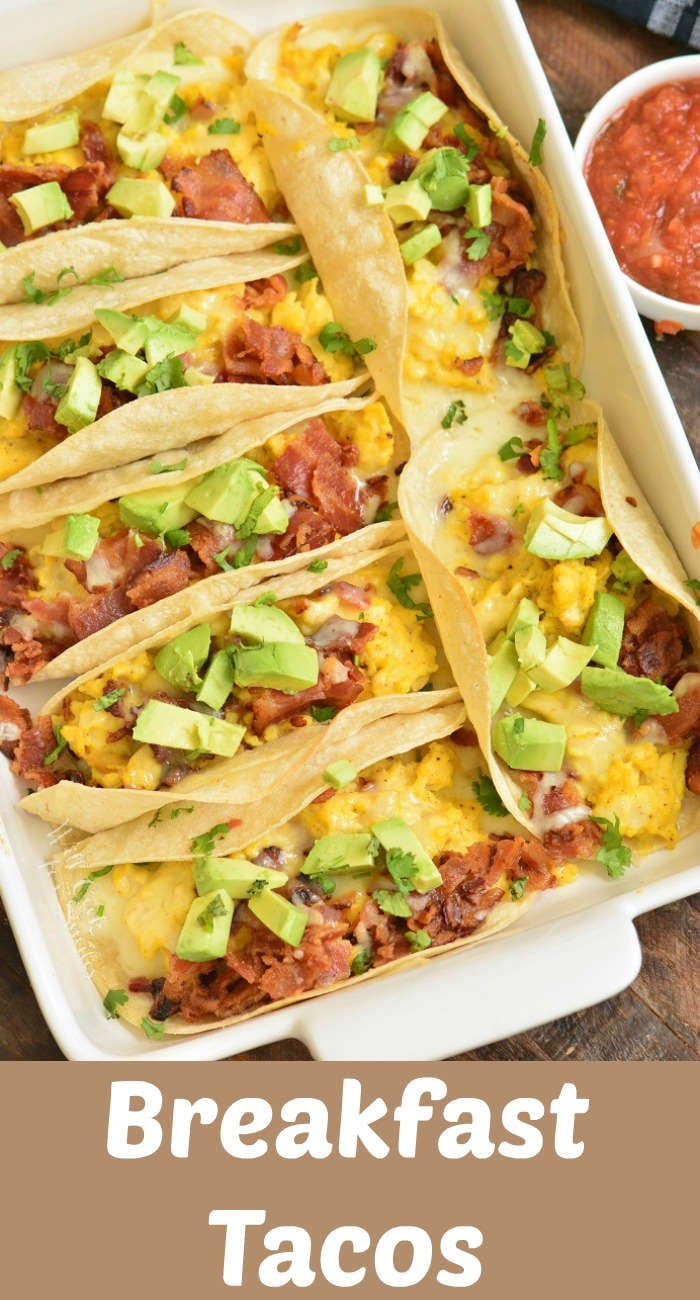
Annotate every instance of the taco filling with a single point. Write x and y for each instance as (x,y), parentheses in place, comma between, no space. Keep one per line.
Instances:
(235,682)
(169,135)
(324,480)
(405,857)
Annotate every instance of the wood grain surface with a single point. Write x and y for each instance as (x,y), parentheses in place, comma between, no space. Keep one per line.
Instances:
(584,51)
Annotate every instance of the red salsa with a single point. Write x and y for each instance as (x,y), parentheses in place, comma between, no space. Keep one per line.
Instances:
(643,171)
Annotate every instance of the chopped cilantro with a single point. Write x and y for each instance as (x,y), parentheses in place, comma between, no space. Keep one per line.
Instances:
(519,510)
(693,584)
(456,413)
(342,142)
(385,511)
(289,247)
(494,304)
(361,962)
(82,889)
(639,716)
(224,126)
(202,845)
(267,598)
(240,558)
(535,155)
(549,456)
(559,379)
(151,1029)
(518,887)
(479,246)
(71,345)
(61,743)
(101,910)
(317,566)
(522,307)
(511,449)
(487,795)
(418,939)
(402,867)
(106,701)
(518,724)
(614,855)
(392,902)
(578,433)
(8,559)
(400,584)
(157,467)
(26,356)
(323,712)
(256,887)
(182,55)
(110,275)
(216,907)
(471,145)
(326,884)
(307,271)
(177,537)
(335,339)
(177,109)
(49,296)
(167,374)
(113,999)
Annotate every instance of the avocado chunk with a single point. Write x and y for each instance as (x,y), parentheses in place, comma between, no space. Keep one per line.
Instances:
(255,624)
(150,103)
(556,534)
(406,202)
(167,339)
(529,744)
(156,511)
(123,95)
(444,175)
(626,572)
(604,629)
(340,852)
(621,693)
(273,517)
(205,934)
(122,370)
(561,665)
(285,919)
(10,392)
(412,123)
(78,406)
(394,833)
(128,332)
(142,152)
(354,86)
(530,647)
(76,538)
(140,198)
(281,667)
(218,681)
(41,205)
(479,205)
(503,669)
(420,244)
(190,319)
(519,690)
(180,660)
(160,723)
(62,132)
(194,377)
(236,876)
(227,493)
(340,774)
(526,615)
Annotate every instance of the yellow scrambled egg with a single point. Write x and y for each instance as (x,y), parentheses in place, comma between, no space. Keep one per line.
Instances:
(156,902)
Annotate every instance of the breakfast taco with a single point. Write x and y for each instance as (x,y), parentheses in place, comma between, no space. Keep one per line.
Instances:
(132,157)
(197,348)
(569,623)
(94,553)
(449,250)
(233,696)
(396,850)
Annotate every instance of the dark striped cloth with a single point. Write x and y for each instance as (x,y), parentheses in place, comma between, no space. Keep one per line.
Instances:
(672,18)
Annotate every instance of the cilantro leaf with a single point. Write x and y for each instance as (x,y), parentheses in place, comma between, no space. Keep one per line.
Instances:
(177,109)
(82,889)
(224,126)
(73,345)
(61,743)
(26,356)
(289,247)
(479,246)
(392,902)
(511,449)
(361,962)
(615,856)
(110,275)
(182,55)
(113,999)
(402,867)
(317,566)
(335,339)
(400,584)
(470,144)
(579,433)
(202,845)
(487,795)
(49,296)
(518,887)
(157,467)
(456,413)
(106,701)
(549,456)
(385,511)
(559,379)
(693,584)
(418,939)
(177,537)
(494,304)
(8,559)
(216,907)
(151,1029)
(323,712)
(165,375)
(535,154)
(326,884)
(307,271)
(256,888)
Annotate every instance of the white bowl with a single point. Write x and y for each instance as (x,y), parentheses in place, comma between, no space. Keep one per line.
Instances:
(654,305)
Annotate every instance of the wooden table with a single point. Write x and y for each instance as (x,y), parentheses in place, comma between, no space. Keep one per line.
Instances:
(584,51)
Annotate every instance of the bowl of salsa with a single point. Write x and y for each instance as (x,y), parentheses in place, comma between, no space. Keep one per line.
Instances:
(639,149)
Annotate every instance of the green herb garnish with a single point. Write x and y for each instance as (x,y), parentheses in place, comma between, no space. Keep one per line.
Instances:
(82,889)
(113,999)
(456,413)
(289,247)
(177,109)
(202,845)
(224,126)
(511,449)
(182,55)
(342,142)
(106,701)
(150,1028)
(400,585)
(318,566)
(479,246)
(535,154)
(157,467)
(323,712)
(8,559)
(361,962)
(518,887)
(549,456)
(614,855)
(487,795)
(419,940)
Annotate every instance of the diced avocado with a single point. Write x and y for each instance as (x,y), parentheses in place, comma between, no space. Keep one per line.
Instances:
(180,660)
(255,624)
(159,89)
(82,536)
(354,86)
(626,572)
(160,723)
(503,669)
(525,341)
(406,202)
(122,369)
(519,690)
(621,693)
(526,615)
(273,517)
(78,406)
(340,852)
(561,665)
(205,934)
(156,511)
(218,680)
(227,492)
(420,244)
(374,196)
(444,175)
(140,198)
(530,647)
(142,152)
(41,205)
(191,319)
(128,332)
(556,534)
(340,774)
(288,668)
(479,205)
(285,919)
(62,132)
(194,377)
(604,629)
(394,833)
(10,392)
(168,340)
(412,123)
(529,744)
(236,876)
(123,95)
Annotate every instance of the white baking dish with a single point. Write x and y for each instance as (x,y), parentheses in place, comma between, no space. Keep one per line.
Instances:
(578,945)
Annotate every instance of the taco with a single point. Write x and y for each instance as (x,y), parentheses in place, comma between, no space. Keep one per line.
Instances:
(397,851)
(570,625)
(449,252)
(210,344)
(132,157)
(273,494)
(235,694)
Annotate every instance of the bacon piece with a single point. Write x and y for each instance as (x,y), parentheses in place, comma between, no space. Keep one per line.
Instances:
(489,534)
(692,769)
(12,181)
(115,560)
(215,189)
(308,529)
(208,539)
(202,990)
(28,655)
(580,499)
(263,293)
(686,722)
(339,684)
(384,935)
(403,166)
(469,365)
(467,894)
(270,354)
(342,634)
(165,576)
(519,857)
(14,721)
(40,416)
(16,580)
(653,641)
(531,413)
(88,616)
(84,188)
(512,230)
(202,110)
(33,747)
(96,150)
(350,594)
(312,467)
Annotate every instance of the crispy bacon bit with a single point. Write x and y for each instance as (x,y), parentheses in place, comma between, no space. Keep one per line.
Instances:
(489,534)
(270,354)
(33,747)
(40,416)
(209,539)
(215,189)
(695,535)
(686,722)
(632,501)
(348,592)
(311,467)
(463,572)
(202,110)
(402,166)
(308,529)
(580,499)
(28,655)
(14,721)
(465,737)
(16,580)
(115,560)
(531,413)
(512,230)
(88,616)
(12,181)
(263,293)
(96,150)
(653,642)
(692,769)
(339,684)
(342,634)
(469,365)
(166,575)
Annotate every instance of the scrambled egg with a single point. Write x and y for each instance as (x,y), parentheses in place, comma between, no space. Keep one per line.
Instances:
(446,327)
(370,431)
(306,310)
(156,902)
